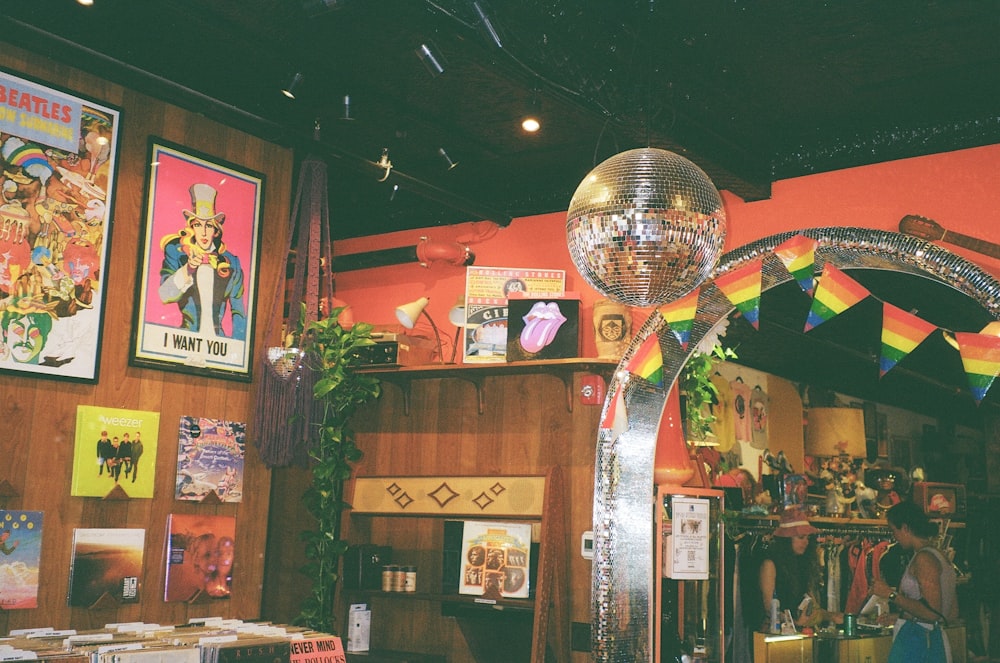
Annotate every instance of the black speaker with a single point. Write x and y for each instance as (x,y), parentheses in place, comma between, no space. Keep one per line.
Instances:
(363,566)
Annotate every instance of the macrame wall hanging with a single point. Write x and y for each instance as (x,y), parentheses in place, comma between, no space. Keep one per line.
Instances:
(285,407)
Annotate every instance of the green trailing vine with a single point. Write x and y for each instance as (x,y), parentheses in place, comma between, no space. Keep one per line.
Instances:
(695,383)
(341,391)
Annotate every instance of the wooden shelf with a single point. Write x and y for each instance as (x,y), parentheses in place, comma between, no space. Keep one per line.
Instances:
(522,605)
(475,374)
(535,498)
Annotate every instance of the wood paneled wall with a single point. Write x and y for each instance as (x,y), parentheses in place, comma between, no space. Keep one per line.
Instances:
(39,415)
(525,428)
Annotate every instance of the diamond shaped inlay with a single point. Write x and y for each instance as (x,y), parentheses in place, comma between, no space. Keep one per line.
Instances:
(497,488)
(403,500)
(394,488)
(443,494)
(483,501)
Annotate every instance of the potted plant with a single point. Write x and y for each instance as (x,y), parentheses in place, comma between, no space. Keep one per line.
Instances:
(339,392)
(698,392)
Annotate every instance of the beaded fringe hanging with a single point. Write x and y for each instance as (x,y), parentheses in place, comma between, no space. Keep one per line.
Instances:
(285,408)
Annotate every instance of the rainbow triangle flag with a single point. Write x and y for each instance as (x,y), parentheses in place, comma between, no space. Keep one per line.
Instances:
(799,256)
(647,362)
(981,360)
(679,315)
(835,293)
(902,332)
(616,417)
(742,288)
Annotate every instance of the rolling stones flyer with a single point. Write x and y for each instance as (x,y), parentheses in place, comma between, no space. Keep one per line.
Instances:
(486,293)
(495,559)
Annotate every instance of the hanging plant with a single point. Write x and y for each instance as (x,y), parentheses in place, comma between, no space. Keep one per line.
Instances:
(698,392)
(340,391)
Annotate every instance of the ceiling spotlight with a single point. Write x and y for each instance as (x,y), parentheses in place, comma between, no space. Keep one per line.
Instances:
(447,159)
(85,3)
(431,60)
(289,90)
(531,121)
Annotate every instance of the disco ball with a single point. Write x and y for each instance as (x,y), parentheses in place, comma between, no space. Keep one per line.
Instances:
(645,227)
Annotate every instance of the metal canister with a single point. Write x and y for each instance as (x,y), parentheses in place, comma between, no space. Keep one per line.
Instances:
(849,626)
(388,576)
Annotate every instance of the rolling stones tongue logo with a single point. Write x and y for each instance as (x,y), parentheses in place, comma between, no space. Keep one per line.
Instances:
(540,326)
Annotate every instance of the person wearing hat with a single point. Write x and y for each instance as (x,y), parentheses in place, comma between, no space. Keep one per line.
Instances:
(199,274)
(790,571)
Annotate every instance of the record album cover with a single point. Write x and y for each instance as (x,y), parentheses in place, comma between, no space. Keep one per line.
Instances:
(114,449)
(210,456)
(106,562)
(495,559)
(21,548)
(200,551)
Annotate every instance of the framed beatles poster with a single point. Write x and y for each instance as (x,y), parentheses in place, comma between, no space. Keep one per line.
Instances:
(197,279)
(58,159)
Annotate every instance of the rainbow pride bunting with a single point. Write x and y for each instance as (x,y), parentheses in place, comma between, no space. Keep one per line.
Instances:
(679,315)
(799,256)
(981,360)
(647,362)
(902,332)
(742,288)
(616,418)
(835,293)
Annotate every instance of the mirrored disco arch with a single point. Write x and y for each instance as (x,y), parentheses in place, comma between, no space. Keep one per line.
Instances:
(623,576)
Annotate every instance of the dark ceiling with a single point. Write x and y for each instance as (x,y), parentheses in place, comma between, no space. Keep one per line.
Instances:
(752,92)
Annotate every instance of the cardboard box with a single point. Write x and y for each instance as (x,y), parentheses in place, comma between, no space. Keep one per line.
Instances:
(546,328)
(359,628)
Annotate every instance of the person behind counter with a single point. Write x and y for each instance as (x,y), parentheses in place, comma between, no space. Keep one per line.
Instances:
(790,571)
(926,597)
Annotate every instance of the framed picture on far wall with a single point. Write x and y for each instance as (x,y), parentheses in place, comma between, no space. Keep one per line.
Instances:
(197,278)
(58,164)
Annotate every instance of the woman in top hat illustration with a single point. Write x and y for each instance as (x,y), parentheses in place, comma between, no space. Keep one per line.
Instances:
(199,274)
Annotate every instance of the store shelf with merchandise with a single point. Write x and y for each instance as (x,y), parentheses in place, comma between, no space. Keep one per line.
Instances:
(534,499)
(476,374)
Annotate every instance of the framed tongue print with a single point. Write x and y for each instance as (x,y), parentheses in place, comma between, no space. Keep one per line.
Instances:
(197,282)
(58,160)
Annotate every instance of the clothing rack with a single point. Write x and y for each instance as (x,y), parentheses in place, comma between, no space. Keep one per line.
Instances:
(759,524)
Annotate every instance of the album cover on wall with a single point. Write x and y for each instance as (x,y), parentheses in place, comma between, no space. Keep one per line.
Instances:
(114,450)
(106,562)
(495,559)
(200,551)
(21,548)
(210,454)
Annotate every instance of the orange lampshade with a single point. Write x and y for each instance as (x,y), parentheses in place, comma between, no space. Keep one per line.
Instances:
(832,431)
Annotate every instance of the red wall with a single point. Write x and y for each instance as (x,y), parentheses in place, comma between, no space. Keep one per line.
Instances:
(960,190)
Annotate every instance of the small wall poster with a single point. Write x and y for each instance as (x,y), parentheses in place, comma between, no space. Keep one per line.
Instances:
(689,539)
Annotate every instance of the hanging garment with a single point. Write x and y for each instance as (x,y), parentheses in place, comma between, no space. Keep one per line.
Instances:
(858,594)
(833,577)
(724,426)
(759,405)
(741,410)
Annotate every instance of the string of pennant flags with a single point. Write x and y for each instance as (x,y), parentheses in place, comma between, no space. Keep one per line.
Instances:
(832,294)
